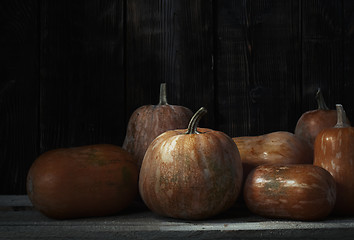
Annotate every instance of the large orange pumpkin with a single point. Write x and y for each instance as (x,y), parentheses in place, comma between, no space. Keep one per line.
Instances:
(334,151)
(191,173)
(149,121)
(94,180)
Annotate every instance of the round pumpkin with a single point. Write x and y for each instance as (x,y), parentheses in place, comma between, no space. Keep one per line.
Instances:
(149,121)
(334,151)
(86,181)
(191,173)
(311,123)
(298,192)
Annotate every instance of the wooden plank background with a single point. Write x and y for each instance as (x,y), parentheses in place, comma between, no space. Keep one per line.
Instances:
(72,72)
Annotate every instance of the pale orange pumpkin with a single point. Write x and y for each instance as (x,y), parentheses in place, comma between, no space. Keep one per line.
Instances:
(149,121)
(279,147)
(334,151)
(296,191)
(191,173)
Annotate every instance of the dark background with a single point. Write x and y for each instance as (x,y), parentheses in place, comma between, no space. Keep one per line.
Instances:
(72,72)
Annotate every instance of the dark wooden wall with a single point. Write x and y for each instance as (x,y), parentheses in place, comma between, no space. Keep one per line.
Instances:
(72,72)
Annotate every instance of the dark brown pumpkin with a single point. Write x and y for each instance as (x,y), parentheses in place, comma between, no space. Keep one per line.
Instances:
(86,181)
(311,123)
(191,173)
(149,121)
(299,192)
(334,151)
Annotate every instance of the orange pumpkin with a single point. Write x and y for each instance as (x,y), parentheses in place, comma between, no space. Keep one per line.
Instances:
(299,192)
(334,151)
(94,180)
(311,123)
(149,121)
(191,173)
(273,148)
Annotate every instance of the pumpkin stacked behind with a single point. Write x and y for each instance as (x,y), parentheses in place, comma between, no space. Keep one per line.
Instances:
(149,121)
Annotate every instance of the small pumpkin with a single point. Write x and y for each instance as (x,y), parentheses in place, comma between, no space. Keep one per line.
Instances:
(334,151)
(86,181)
(297,192)
(193,173)
(311,123)
(279,147)
(149,121)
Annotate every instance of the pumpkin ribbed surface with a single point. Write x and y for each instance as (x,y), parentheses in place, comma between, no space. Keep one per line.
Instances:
(191,176)
(334,151)
(148,122)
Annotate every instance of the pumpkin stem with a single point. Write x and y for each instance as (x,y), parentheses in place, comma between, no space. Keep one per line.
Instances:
(341,117)
(320,100)
(163,98)
(193,123)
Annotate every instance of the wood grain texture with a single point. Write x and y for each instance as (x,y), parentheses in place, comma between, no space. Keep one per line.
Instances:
(82,73)
(232,68)
(19,95)
(258,65)
(18,220)
(275,72)
(170,41)
(347,87)
(322,52)
(74,71)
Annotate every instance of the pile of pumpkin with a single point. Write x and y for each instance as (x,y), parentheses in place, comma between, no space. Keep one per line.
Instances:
(183,171)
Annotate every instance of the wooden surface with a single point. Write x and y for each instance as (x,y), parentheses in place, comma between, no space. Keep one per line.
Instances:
(82,88)
(258,70)
(19,91)
(170,41)
(18,220)
(72,73)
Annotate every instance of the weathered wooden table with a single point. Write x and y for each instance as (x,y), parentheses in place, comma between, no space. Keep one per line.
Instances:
(18,220)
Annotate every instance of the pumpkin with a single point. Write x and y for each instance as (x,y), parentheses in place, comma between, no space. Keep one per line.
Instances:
(334,151)
(195,173)
(311,123)
(273,148)
(297,192)
(149,121)
(86,181)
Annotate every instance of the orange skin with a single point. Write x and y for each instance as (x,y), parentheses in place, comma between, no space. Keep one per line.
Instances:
(94,180)
(311,123)
(297,192)
(148,122)
(191,176)
(334,151)
(272,148)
